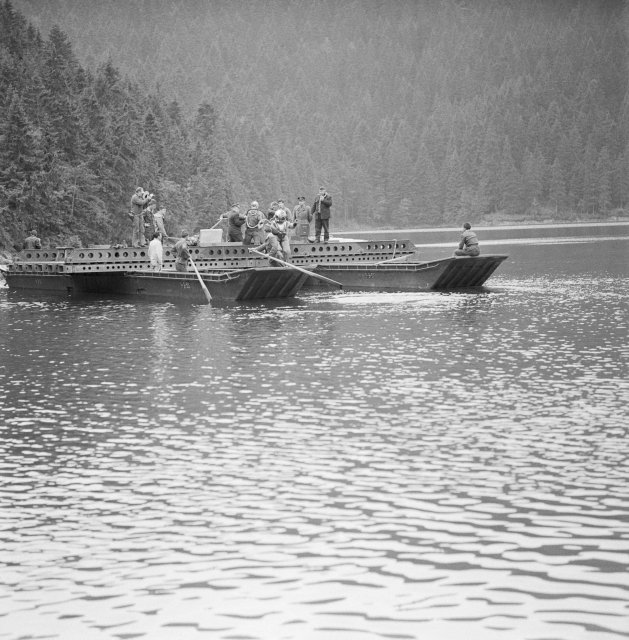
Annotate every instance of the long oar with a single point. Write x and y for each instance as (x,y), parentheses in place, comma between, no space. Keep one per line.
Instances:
(292,266)
(205,289)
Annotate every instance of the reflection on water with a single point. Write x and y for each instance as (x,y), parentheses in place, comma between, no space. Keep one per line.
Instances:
(347,465)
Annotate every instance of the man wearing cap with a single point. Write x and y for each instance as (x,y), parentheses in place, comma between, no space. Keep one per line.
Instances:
(158,219)
(149,219)
(138,200)
(235,220)
(302,214)
(32,242)
(182,252)
(321,209)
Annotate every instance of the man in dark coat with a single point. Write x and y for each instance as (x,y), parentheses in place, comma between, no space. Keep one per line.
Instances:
(182,252)
(138,201)
(302,215)
(235,221)
(32,242)
(321,209)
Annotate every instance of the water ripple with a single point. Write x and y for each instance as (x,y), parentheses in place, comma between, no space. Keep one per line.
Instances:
(378,466)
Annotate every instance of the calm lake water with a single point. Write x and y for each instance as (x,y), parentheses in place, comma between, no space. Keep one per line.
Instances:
(341,466)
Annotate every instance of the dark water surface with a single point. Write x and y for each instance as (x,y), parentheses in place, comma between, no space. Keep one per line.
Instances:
(342,466)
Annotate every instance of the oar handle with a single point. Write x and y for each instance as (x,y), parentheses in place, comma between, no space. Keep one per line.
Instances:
(203,286)
(293,266)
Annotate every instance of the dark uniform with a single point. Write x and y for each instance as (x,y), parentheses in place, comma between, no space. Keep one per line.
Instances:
(32,242)
(182,253)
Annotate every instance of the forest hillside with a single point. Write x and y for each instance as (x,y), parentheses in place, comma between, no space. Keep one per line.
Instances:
(411,112)
(74,143)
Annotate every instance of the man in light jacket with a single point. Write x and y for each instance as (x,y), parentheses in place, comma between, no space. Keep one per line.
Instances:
(156,252)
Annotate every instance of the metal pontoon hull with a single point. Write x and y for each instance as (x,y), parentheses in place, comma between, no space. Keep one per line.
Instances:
(445,274)
(244,284)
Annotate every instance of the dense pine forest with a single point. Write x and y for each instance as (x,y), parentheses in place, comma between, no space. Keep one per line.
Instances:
(411,112)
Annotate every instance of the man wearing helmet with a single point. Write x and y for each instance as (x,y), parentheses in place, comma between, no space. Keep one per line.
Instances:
(285,209)
(253,224)
(279,228)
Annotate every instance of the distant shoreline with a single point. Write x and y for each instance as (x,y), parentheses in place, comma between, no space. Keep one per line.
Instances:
(486,227)
(7,256)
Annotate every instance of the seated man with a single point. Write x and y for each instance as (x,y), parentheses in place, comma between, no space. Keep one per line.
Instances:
(469,242)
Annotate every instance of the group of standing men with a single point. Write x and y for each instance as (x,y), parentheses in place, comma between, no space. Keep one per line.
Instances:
(272,231)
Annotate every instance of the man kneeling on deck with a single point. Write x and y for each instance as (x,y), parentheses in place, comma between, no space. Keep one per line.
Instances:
(469,242)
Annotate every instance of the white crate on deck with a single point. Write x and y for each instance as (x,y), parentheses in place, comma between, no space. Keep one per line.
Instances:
(210,236)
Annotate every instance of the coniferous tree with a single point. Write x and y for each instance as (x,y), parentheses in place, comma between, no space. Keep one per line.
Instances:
(557,187)
(20,159)
(547,80)
(509,181)
(603,180)
(453,188)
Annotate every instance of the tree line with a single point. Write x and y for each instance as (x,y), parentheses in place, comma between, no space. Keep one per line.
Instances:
(75,143)
(411,112)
